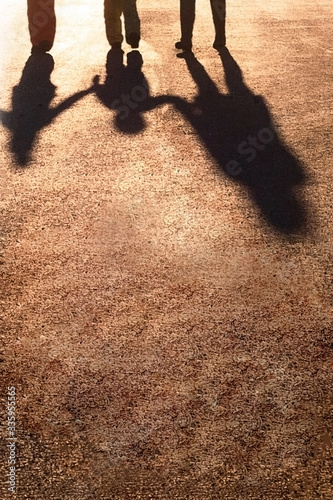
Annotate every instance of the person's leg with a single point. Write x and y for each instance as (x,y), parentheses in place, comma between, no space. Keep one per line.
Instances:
(219,12)
(187,16)
(132,23)
(112,16)
(42,24)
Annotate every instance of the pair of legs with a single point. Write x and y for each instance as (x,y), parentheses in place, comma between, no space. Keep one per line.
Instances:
(113,9)
(42,24)
(187,16)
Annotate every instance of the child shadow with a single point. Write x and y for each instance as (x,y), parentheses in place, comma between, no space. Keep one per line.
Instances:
(126,91)
(238,131)
(31,111)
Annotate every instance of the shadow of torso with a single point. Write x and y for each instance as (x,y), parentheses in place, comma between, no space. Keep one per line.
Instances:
(126,91)
(31,106)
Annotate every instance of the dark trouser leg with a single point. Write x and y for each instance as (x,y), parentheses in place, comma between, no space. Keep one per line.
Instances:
(132,20)
(112,16)
(219,11)
(187,16)
(42,22)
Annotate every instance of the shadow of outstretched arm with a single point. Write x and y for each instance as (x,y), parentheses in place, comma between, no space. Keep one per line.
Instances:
(73,99)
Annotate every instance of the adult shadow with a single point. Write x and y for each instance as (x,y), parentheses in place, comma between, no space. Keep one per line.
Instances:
(31,111)
(126,90)
(238,131)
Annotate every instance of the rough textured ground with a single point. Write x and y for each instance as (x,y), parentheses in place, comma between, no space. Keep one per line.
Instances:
(167,325)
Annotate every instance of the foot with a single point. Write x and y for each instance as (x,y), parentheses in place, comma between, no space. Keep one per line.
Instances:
(133,40)
(42,47)
(116,45)
(183,45)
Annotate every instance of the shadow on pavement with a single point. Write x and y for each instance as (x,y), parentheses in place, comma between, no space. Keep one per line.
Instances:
(126,91)
(235,128)
(238,131)
(31,111)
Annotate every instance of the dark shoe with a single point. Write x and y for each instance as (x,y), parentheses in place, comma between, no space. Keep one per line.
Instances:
(116,45)
(183,46)
(133,40)
(42,47)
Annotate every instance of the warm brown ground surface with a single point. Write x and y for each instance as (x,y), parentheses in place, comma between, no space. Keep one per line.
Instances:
(168,337)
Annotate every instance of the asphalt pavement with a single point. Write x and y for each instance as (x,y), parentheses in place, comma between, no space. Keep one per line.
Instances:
(166,255)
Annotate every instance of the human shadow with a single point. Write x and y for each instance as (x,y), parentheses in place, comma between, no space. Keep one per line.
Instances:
(238,131)
(31,111)
(126,91)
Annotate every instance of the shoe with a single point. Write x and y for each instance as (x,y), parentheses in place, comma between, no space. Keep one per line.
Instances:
(42,47)
(116,45)
(183,46)
(133,40)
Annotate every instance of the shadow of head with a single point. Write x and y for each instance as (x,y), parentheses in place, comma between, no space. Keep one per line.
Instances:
(131,124)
